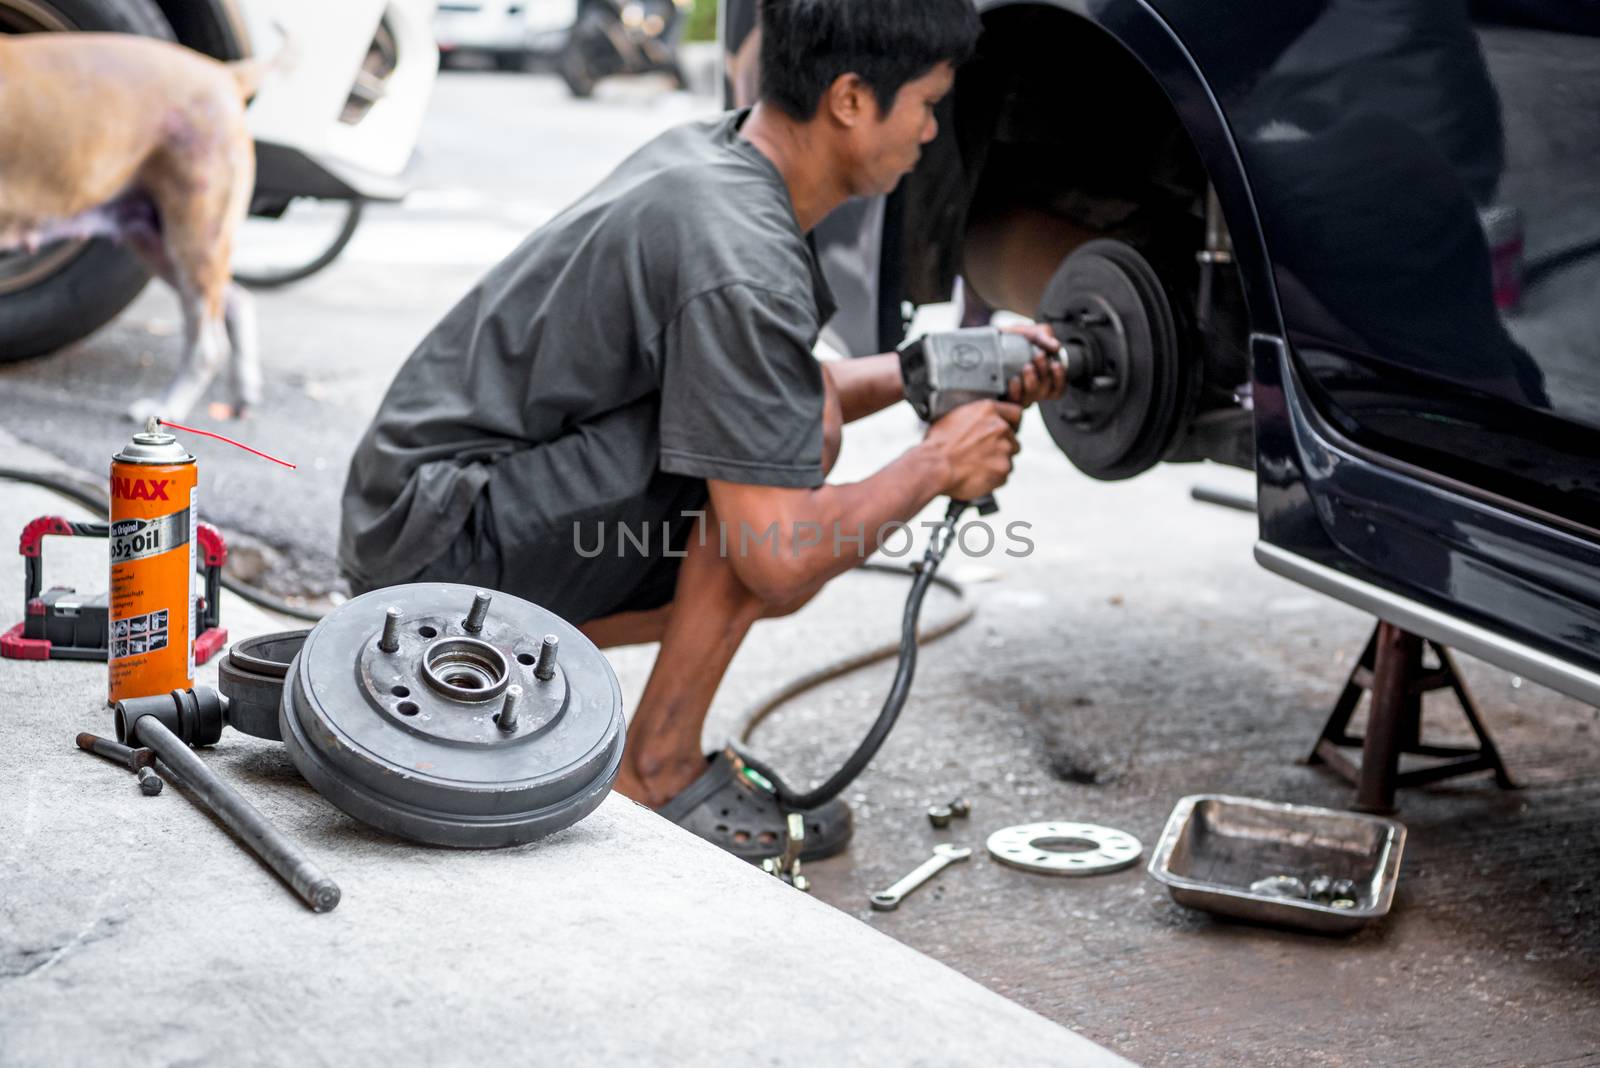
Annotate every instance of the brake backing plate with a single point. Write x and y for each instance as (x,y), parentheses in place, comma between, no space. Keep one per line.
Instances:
(1122,414)
(454,716)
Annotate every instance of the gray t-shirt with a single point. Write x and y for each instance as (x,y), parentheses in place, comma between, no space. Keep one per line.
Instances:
(655,334)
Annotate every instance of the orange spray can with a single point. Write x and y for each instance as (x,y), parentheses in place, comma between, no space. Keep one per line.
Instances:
(152,566)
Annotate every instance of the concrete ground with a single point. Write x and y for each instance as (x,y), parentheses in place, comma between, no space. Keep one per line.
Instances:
(1136,655)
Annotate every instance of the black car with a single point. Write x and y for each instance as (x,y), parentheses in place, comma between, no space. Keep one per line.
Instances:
(1353,245)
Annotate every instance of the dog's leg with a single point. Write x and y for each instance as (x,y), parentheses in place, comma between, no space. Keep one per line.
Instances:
(200,180)
(202,189)
(203,342)
(244,373)
(204,346)
(239,307)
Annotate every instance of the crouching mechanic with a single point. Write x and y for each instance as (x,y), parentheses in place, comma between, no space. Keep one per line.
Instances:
(640,370)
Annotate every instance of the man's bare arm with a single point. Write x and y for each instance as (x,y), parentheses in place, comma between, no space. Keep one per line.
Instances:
(965,455)
(802,532)
(866,384)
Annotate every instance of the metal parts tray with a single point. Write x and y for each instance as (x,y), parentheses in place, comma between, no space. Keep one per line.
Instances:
(1215,847)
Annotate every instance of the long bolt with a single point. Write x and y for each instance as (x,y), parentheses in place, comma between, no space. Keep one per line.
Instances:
(132,759)
(149,782)
(478,613)
(508,710)
(258,834)
(545,669)
(390,642)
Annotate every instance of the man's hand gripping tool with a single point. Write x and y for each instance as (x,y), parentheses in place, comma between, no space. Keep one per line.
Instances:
(944,370)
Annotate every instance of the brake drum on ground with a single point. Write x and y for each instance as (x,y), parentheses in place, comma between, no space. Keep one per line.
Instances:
(454,716)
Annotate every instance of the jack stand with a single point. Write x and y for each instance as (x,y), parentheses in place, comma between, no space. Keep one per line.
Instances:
(1391,669)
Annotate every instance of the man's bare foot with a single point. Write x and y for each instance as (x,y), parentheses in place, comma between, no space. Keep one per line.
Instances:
(630,786)
(658,781)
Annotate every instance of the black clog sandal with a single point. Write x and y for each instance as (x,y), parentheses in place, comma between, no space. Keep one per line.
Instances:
(733,806)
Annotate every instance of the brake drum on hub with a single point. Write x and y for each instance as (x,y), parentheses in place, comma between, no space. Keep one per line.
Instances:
(1125,412)
(453,716)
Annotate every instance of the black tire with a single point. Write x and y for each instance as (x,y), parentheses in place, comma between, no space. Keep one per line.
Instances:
(574,70)
(273,279)
(82,294)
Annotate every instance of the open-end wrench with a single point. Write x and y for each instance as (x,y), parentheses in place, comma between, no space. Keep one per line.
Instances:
(943,856)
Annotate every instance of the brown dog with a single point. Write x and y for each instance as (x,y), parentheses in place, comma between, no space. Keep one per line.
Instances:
(142,141)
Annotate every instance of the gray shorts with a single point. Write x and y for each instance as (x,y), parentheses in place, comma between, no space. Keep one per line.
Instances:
(608,576)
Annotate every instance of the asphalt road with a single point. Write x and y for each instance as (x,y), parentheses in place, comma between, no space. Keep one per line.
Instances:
(1136,655)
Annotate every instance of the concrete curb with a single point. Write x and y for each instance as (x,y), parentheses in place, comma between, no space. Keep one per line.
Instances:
(133,930)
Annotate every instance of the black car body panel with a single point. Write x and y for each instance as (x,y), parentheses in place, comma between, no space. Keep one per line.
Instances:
(1412,192)
(1446,450)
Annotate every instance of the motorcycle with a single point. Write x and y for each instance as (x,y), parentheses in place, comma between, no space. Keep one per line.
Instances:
(623,37)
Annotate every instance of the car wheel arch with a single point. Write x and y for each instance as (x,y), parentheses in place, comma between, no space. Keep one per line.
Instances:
(1116,32)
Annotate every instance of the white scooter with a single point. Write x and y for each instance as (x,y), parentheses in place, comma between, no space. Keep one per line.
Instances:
(337,125)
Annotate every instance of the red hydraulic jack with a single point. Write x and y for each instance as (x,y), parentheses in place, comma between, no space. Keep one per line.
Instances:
(59,624)
(1392,670)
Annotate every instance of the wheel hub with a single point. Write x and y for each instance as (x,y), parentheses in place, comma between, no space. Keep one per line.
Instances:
(445,715)
(1130,396)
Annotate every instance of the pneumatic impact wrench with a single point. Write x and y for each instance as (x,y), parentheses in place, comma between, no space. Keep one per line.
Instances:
(940,372)
(945,370)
